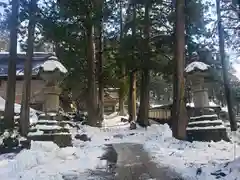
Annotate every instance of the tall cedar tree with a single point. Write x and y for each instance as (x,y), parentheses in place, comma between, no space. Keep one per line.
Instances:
(99,55)
(122,82)
(228,92)
(25,108)
(11,86)
(179,112)
(133,73)
(145,74)
(92,109)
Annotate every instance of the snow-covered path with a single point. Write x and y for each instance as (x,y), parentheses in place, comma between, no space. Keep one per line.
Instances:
(134,163)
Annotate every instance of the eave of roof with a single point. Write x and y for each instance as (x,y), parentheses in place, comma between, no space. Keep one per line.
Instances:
(39,58)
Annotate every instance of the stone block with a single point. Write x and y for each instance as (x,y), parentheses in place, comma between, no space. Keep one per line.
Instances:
(205,124)
(83,137)
(62,140)
(203,118)
(207,135)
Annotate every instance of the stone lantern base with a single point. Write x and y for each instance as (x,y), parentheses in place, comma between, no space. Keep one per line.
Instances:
(205,125)
(51,95)
(200,98)
(49,128)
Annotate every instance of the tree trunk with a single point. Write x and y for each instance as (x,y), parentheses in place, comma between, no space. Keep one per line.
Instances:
(99,32)
(93,119)
(179,112)
(144,98)
(132,96)
(11,85)
(122,91)
(25,108)
(133,74)
(228,92)
(122,69)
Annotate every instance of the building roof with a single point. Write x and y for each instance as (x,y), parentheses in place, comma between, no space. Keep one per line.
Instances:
(38,59)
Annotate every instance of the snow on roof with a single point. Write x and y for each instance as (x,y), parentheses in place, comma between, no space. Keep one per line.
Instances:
(196,65)
(52,64)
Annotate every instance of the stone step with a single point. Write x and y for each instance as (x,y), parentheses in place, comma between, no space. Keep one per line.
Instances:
(205,123)
(210,134)
(49,116)
(206,128)
(61,139)
(47,122)
(50,131)
(55,122)
(203,118)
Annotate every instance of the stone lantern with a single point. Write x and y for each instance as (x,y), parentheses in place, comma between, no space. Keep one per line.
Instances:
(50,126)
(197,73)
(52,72)
(204,124)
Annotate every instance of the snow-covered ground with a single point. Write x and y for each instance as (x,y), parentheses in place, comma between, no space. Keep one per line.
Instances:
(46,161)
(17,109)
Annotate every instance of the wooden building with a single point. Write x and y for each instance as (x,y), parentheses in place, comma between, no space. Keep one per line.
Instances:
(37,83)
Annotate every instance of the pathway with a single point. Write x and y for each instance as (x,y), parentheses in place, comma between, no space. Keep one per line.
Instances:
(134,163)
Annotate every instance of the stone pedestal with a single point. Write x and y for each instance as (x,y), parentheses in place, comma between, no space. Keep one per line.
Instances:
(200,93)
(51,101)
(200,98)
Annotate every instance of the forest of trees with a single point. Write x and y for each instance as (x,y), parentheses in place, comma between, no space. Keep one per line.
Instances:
(133,45)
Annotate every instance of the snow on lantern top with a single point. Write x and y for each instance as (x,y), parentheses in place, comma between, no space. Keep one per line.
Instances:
(196,66)
(53,64)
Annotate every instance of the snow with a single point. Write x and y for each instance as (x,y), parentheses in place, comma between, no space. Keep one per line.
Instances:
(211,104)
(190,104)
(225,109)
(46,161)
(17,109)
(236,66)
(37,133)
(113,120)
(208,127)
(155,105)
(207,121)
(51,65)
(196,66)
(47,127)
(47,121)
(203,116)
(52,114)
